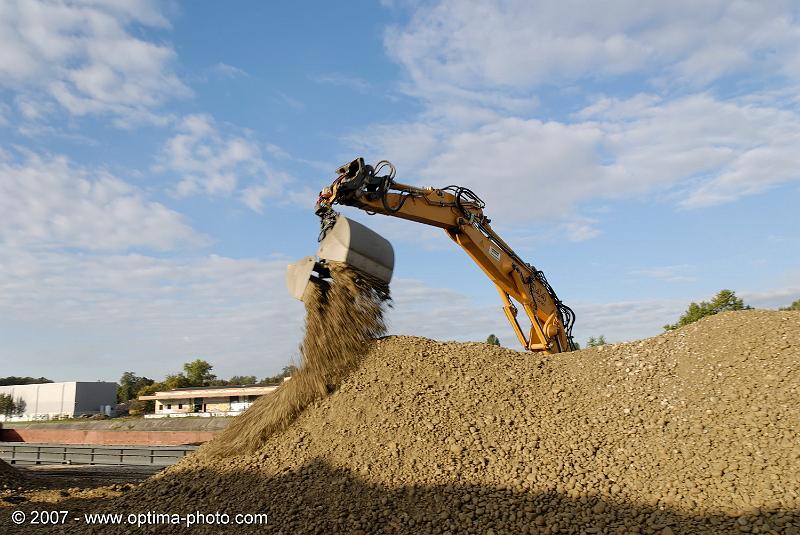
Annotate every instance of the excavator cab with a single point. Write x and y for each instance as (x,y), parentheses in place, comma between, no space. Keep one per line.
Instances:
(347,241)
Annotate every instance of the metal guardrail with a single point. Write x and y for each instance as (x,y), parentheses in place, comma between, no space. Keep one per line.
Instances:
(30,453)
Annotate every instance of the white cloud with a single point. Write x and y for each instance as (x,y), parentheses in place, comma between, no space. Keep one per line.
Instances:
(87,57)
(49,202)
(625,320)
(724,149)
(343,80)
(524,169)
(31,108)
(580,229)
(679,273)
(450,314)
(696,150)
(210,161)
(775,298)
(445,314)
(409,145)
(290,101)
(227,71)
(478,68)
(148,314)
(516,44)
(254,195)
(277,152)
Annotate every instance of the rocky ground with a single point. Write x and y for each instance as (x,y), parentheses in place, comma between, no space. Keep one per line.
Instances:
(693,431)
(37,484)
(9,478)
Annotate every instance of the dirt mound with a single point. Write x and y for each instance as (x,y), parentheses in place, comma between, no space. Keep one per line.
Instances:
(341,319)
(693,431)
(9,478)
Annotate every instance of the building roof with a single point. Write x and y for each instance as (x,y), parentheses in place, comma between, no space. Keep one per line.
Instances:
(210,392)
(216,387)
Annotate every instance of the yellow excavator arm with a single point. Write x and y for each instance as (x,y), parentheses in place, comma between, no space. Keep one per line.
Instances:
(459,212)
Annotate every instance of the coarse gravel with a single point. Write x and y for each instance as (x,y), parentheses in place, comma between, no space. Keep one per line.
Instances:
(9,477)
(692,431)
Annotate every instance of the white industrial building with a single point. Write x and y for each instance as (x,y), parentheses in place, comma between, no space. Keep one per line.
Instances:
(61,400)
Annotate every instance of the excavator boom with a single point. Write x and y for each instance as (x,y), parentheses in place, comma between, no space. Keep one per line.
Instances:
(459,212)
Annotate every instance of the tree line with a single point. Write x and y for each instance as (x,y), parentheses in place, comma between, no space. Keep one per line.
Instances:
(724,301)
(14,380)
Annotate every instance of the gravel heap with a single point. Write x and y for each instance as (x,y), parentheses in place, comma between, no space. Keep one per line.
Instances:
(693,431)
(9,478)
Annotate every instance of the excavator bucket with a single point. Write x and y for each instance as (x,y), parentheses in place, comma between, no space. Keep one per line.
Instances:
(354,244)
(298,276)
(349,242)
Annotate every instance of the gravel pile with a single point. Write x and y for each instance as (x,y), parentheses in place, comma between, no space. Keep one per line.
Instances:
(9,478)
(693,431)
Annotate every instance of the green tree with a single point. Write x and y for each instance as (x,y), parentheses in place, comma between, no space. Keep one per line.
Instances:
(594,342)
(129,385)
(242,380)
(6,405)
(287,371)
(724,301)
(19,406)
(177,380)
(793,306)
(219,382)
(198,373)
(137,407)
(492,340)
(12,380)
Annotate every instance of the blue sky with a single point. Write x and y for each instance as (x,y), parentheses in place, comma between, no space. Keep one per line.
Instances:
(159,163)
